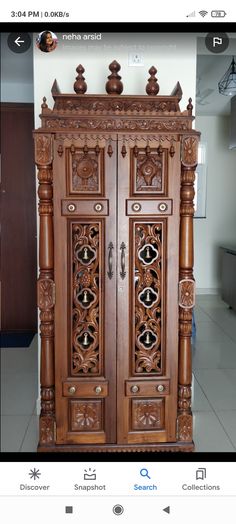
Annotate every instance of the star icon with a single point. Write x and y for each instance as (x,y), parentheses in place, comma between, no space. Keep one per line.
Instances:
(34,473)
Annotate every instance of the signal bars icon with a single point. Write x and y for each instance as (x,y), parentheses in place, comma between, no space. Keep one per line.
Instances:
(191,14)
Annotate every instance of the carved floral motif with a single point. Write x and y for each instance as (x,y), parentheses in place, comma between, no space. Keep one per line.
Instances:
(147,329)
(186,293)
(116,105)
(189,151)
(184,397)
(85,175)
(185,427)
(86,416)
(148,173)
(46,425)
(46,293)
(87,305)
(43,149)
(118,125)
(147,414)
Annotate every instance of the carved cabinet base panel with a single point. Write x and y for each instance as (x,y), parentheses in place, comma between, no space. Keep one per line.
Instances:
(116,286)
(174,447)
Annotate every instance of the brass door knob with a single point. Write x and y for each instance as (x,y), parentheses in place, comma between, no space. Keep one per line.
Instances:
(134,389)
(72,390)
(136,207)
(98,389)
(98,207)
(162,207)
(160,388)
(71,207)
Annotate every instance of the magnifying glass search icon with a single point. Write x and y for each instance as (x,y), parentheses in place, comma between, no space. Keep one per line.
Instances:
(144,473)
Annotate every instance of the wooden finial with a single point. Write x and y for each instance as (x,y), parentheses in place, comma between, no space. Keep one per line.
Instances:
(177,91)
(80,86)
(44,105)
(152,87)
(55,88)
(190,106)
(114,85)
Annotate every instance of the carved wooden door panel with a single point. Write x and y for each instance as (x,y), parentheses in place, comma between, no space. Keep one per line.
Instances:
(147,316)
(85,313)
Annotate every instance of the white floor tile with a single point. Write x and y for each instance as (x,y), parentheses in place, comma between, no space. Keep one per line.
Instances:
(219,386)
(209,332)
(19,392)
(213,355)
(16,360)
(206,301)
(200,315)
(30,442)
(228,420)
(209,434)
(199,400)
(13,429)
(229,327)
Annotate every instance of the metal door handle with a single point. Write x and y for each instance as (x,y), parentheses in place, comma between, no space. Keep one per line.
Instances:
(110,272)
(122,260)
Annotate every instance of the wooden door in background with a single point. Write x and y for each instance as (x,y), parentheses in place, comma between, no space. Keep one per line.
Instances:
(18,231)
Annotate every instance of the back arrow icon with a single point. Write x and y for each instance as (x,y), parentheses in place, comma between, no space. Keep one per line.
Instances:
(18,41)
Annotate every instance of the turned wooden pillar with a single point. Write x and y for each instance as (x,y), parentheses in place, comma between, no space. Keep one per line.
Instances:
(46,287)
(186,286)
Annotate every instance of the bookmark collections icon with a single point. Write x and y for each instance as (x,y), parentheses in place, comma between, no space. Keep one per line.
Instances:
(201,474)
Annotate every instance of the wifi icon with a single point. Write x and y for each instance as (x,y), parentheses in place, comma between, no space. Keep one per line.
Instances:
(203,13)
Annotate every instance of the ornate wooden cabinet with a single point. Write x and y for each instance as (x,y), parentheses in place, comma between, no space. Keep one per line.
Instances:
(116,287)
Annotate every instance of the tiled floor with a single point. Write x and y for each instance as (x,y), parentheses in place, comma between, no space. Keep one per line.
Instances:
(214,384)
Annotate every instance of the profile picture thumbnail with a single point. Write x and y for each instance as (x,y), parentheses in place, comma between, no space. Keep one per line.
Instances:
(46,41)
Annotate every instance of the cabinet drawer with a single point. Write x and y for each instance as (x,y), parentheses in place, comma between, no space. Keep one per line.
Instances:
(149,207)
(84,207)
(72,388)
(152,388)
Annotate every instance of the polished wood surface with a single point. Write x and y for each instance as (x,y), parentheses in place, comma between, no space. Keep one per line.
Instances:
(116,173)
(18,224)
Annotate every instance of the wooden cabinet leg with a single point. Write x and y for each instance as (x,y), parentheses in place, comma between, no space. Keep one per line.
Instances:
(186,287)
(46,289)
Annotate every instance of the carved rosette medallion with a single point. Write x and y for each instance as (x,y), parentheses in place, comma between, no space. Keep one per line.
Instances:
(149,173)
(86,416)
(86,300)
(148,170)
(43,150)
(189,151)
(186,293)
(46,293)
(86,172)
(147,415)
(147,293)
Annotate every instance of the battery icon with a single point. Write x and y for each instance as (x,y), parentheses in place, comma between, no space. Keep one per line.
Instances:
(218,13)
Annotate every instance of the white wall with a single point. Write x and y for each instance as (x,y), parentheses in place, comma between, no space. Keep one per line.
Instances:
(173,55)
(219,226)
